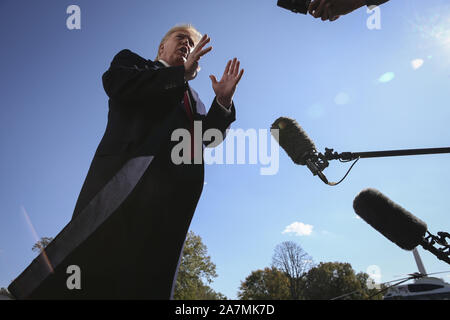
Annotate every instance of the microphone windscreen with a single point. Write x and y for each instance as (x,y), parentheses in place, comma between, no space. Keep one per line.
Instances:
(390,219)
(293,139)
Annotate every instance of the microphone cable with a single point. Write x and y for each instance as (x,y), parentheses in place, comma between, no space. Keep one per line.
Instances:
(344,161)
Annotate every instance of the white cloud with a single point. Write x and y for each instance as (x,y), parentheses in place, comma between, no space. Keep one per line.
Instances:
(299,228)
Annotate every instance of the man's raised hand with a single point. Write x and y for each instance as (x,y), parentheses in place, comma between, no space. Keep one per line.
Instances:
(226,87)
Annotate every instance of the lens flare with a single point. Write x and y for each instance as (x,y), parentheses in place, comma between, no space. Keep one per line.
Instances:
(417,63)
(36,238)
(387,77)
(432,29)
(342,98)
(316,111)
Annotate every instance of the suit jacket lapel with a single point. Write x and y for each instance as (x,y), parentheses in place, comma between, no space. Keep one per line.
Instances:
(200,109)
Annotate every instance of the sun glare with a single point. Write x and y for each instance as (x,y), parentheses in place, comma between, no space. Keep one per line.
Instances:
(433,29)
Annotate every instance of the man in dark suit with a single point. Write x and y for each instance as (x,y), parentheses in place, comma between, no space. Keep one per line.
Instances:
(145,200)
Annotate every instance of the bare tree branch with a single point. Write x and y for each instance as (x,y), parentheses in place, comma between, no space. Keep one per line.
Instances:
(290,258)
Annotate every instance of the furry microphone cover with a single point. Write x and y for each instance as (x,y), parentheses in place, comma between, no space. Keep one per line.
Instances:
(293,139)
(390,219)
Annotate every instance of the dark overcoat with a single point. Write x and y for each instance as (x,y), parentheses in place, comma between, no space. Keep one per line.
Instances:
(145,107)
(135,206)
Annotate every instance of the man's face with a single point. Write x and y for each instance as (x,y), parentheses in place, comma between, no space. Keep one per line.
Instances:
(176,48)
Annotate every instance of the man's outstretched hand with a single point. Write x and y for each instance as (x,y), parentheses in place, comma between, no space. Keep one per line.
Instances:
(191,64)
(226,87)
(332,9)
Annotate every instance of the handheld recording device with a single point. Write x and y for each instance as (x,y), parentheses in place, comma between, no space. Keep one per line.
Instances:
(297,6)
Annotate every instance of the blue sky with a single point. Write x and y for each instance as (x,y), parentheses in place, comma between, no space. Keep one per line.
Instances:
(350,88)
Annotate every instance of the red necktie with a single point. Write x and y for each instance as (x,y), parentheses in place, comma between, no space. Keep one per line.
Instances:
(187,106)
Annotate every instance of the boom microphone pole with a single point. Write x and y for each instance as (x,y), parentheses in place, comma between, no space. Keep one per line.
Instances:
(300,148)
(349,156)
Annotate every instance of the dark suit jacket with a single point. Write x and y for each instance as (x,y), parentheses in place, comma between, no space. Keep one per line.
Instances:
(144,96)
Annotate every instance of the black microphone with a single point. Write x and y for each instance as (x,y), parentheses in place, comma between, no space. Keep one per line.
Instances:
(299,147)
(294,140)
(390,219)
(398,225)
